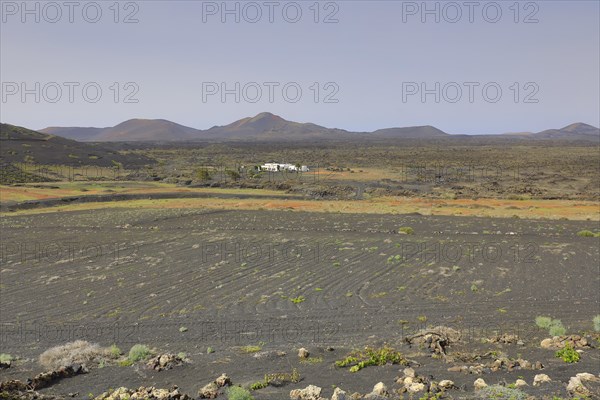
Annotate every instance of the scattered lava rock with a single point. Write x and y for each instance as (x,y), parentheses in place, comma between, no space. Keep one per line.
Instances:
(164,361)
(505,338)
(211,390)
(310,392)
(435,339)
(584,384)
(558,342)
(143,393)
(43,380)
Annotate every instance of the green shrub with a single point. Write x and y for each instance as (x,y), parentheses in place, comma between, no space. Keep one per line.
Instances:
(586,233)
(557,328)
(234,175)
(251,349)
(543,322)
(297,300)
(259,385)
(568,354)
(596,321)
(283,377)
(115,352)
(279,378)
(5,358)
(238,393)
(139,352)
(554,326)
(406,229)
(311,360)
(498,392)
(203,175)
(358,360)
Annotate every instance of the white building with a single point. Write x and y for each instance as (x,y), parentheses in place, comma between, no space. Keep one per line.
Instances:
(274,167)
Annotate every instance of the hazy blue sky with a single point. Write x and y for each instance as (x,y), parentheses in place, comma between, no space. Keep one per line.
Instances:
(370,55)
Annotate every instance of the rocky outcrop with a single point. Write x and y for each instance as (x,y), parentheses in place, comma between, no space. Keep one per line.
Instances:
(43,380)
(310,392)
(558,342)
(479,384)
(164,361)
(303,353)
(144,393)
(585,385)
(211,390)
(435,339)
(541,378)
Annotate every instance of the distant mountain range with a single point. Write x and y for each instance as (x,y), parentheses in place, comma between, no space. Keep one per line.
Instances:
(267,126)
(578,130)
(22,145)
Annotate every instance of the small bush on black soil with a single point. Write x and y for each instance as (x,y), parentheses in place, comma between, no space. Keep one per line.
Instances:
(5,358)
(406,229)
(138,352)
(277,379)
(586,233)
(429,396)
(234,175)
(543,322)
(568,354)
(115,352)
(259,385)
(358,360)
(596,321)
(77,352)
(297,300)
(238,393)
(312,360)
(251,349)
(557,328)
(498,392)
(554,326)
(203,175)
(280,378)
